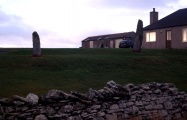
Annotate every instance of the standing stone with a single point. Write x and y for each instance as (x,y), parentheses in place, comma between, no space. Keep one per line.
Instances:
(138,37)
(36,44)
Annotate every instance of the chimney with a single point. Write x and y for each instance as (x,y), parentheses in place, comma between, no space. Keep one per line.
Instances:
(153,16)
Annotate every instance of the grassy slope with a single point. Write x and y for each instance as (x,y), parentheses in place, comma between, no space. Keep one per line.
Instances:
(80,69)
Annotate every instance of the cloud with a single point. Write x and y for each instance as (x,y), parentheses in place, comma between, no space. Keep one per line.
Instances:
(177,5)
(135,4)
(65,23)
(3,17)
(14,32)
(12,25)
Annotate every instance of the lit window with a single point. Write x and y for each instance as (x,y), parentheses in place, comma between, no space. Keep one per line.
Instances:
(151,36)
(168,35)
(184,35)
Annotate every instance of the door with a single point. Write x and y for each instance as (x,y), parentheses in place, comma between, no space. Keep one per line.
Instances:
(117,43)
(168,39)
(91,44)
(111,44)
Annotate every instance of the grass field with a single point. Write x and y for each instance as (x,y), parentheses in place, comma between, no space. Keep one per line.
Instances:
(81,69)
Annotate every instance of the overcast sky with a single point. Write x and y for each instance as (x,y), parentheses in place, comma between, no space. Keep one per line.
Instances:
(65,23)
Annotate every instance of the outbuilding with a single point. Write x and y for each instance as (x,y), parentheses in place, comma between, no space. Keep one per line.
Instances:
(107,41)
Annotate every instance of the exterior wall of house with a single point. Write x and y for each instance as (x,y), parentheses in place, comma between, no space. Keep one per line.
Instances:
(111,43)
(85,44)
(94,45)
(160,40)
(101,44)
(177,39)
(106,43)
(114,43)
(98,43)
(160,43)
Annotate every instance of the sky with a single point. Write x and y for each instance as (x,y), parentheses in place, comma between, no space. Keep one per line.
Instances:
(65,23)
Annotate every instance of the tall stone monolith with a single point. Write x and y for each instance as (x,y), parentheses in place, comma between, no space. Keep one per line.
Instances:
(138,37)
(36,44)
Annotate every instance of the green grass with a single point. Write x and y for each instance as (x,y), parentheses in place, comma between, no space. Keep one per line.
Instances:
(81,69)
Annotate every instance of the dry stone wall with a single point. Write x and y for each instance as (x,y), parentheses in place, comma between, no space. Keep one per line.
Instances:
(150,101)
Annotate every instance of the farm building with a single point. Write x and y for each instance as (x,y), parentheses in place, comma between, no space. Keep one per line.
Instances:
(107,41)
(169,32)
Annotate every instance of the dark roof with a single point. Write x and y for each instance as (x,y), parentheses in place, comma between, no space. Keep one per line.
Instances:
(122,35)
(110,36)
(178,18)
(93,38)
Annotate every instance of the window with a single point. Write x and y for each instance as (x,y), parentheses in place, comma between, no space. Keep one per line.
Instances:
(151,36)
(168,35)
(184,35)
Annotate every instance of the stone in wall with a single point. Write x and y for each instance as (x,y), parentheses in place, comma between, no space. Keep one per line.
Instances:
(148,101)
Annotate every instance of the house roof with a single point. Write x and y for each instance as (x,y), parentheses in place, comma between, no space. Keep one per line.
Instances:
(94,38)
(110,36)
(178,18)
(122,35)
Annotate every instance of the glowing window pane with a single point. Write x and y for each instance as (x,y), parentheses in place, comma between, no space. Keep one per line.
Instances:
(168,35)
(147,37)
(184,34)
(152,36)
